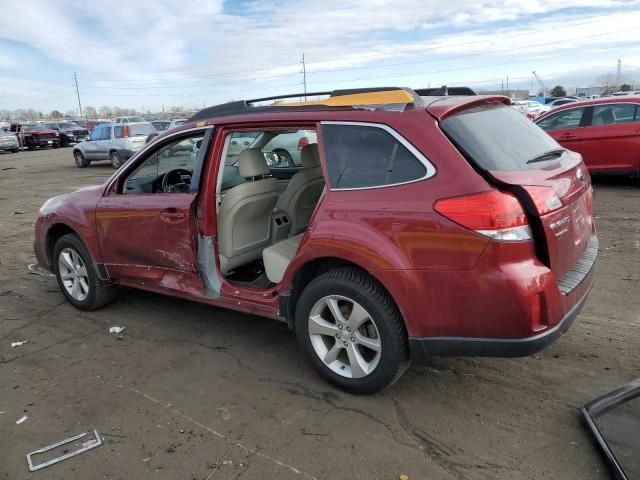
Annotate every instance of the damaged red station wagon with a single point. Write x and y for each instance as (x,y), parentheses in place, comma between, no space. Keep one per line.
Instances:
(387,226)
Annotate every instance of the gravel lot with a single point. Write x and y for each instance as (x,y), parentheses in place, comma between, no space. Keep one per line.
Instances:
(193,392)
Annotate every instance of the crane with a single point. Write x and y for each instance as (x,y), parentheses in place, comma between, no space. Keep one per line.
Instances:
(543,87)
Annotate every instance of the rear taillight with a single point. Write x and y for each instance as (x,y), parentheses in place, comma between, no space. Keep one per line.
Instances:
(497,215)
(544,198)
(303,142)
(125,131)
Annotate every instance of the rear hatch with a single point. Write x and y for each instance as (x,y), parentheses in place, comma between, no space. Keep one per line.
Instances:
(137,134)
(551,182)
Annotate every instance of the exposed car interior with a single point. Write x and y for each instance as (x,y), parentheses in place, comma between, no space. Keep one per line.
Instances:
(265,203)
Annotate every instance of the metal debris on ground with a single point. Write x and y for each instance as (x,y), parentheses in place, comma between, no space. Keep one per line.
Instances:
(116,329)
(21,419)
(17,344)
(85,446)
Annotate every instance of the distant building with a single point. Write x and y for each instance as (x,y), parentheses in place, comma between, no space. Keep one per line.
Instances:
(588,92)
(514,94)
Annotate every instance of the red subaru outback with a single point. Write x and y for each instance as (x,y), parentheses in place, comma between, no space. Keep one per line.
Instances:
(413,226)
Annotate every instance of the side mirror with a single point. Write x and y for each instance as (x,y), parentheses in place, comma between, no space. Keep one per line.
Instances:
(198,144)
(87,139)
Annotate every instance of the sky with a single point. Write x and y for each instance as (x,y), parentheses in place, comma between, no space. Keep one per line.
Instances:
(153,54)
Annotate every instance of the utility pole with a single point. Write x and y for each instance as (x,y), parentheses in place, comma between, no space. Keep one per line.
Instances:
(619,72)
(75,78)
(304,77)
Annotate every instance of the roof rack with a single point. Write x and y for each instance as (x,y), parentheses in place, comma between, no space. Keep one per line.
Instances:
(389,98)
(444,91)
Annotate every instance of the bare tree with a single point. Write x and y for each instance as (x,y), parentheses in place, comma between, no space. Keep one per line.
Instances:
(90,112)
(55,114)
(105,111)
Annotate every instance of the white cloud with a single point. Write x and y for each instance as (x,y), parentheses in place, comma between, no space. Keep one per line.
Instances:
(132,49)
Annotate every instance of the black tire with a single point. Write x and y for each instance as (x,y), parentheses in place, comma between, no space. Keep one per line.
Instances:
(55,145)
(116,159)
(362,288)
(100,293)
(81,161)
(64,141)
(15,150)
(286,156)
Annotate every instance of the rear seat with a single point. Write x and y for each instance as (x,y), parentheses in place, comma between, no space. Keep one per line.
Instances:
(276,258)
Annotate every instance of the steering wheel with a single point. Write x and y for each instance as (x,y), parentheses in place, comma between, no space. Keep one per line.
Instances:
(177,180)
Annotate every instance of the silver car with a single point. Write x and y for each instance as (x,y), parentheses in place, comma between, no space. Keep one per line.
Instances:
(113,142)
(9,141)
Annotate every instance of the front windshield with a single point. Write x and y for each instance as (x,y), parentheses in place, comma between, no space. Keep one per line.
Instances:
(68,125)
(29,127)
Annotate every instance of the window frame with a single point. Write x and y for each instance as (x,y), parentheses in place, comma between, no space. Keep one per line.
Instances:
(116,183)
(636,117)
(430,169)
(585,118)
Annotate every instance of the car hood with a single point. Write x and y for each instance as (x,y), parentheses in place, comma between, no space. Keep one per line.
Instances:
(83,195)
(40,132)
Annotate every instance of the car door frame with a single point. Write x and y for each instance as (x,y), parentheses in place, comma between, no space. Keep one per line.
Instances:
(89,148)
(634,131)
(570,135)
(184,277)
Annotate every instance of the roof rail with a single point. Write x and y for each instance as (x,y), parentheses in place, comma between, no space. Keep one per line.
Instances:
(382,97)
(443,91)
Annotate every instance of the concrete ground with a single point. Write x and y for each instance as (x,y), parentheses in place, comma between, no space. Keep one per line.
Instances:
(188,391)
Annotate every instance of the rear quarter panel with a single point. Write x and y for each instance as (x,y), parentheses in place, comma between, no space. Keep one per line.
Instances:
(393,232)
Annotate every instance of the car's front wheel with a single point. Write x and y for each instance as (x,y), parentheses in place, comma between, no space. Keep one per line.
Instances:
(116,159)
(77,276)
(81,161)
(352,331)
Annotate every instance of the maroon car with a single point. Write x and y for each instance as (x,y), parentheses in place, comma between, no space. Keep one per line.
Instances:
(36,135)
(605,131)
(415,226)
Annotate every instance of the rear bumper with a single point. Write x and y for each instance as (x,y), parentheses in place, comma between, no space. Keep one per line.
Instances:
(423,348)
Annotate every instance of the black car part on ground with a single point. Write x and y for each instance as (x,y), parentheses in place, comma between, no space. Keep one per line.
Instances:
(614,421)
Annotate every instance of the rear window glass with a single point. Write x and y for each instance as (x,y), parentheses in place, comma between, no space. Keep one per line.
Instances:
(497,137)
(141,129)
(366,156)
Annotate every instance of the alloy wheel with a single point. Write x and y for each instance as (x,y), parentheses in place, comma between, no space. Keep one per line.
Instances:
(73,273)
(344,336)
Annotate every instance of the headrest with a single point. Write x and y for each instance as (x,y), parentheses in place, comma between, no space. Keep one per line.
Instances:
(251,163)
(309,156)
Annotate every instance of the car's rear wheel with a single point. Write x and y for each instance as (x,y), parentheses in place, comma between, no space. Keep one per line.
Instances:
(116,159)
(77,276)
(352,331)
(81,161)
(64,141)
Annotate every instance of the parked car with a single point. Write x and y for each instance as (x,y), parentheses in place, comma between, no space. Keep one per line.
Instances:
(417,226)
(530,108)
(91,124)
(176,122)
(605,131)
(9,141)
(113,142)
(286,146)
(69,132)
(35,135)
(132,119)
(626,94)
(161,125)
(562,101)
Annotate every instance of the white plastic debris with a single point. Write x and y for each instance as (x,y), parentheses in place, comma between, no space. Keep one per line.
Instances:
(116,329)
(17,344)
(21,419)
